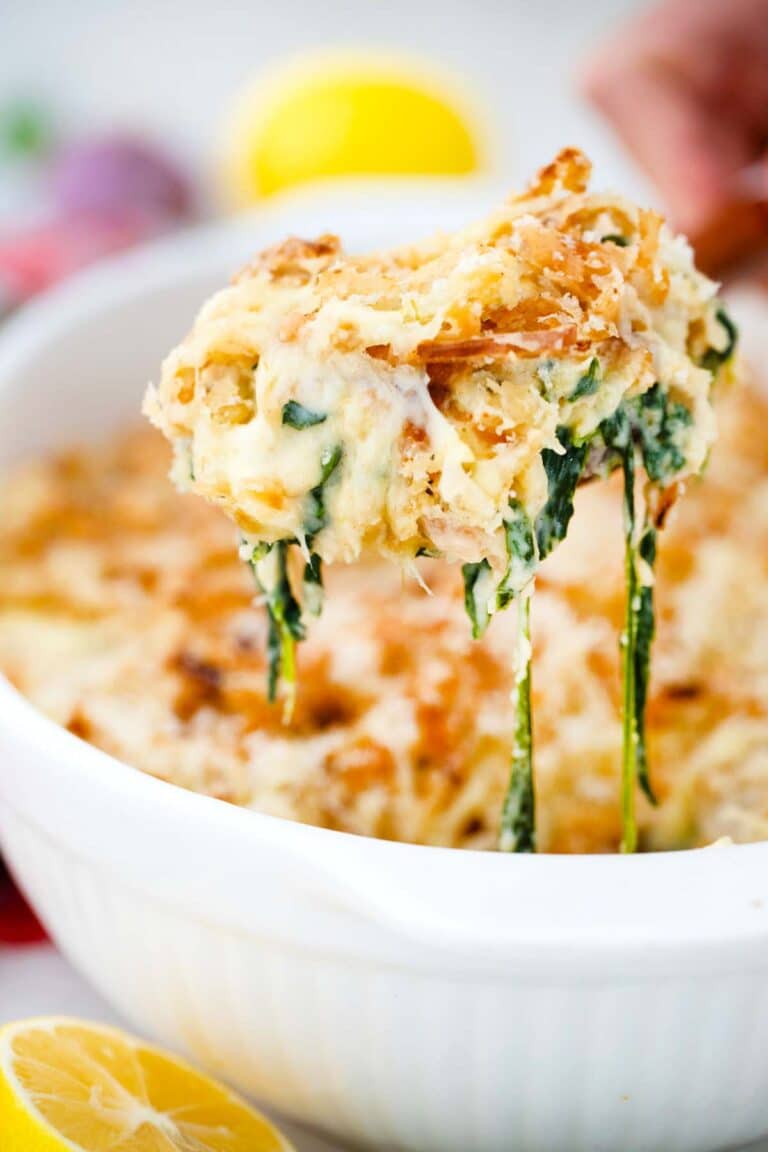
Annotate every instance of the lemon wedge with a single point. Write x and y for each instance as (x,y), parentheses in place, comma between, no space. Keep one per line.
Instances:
(69,1085)
(327,115)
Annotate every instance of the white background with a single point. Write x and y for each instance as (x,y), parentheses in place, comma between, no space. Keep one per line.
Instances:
(38,982)
(172,66)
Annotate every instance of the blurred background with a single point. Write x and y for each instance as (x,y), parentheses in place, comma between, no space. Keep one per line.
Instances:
(118,121)
(174,67)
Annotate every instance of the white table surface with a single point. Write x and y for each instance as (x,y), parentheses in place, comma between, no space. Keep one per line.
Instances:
(37,981)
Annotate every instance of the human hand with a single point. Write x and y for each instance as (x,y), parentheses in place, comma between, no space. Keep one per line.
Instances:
(686,87)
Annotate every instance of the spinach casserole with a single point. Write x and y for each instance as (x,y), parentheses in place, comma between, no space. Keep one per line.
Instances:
(126,617)
(445,401)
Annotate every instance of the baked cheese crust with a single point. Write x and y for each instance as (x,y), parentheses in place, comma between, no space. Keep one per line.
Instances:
(126,617)
(395,403)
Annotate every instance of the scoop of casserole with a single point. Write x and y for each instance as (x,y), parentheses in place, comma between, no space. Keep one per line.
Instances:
(446,400)
(396,402)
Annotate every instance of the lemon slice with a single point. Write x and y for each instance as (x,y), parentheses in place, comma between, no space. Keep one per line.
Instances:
(69,1085)
(344,114)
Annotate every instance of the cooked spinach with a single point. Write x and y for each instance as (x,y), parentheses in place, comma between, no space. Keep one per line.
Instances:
(312,584)
(544,373)
(316,514)
(659,421)
(651,430)
(644,626)
(269,563)
(713,358)
(477,591)
(518,816)
(295,415)
(479,595)
(617,435)
(521,554)
(628,725)
(589,382)
(274,655)
(563,471)
(617,239)
(517,823)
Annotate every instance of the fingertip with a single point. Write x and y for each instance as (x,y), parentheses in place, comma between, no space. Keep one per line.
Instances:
(597,79)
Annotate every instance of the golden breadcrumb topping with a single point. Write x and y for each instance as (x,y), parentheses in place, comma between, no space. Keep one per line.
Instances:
(127,617)
(397,402)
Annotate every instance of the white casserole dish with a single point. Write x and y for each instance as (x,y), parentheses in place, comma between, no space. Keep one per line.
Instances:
(419,998)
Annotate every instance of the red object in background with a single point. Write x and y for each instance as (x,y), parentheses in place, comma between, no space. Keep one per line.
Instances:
(97,197)
(33,260)
(18,923)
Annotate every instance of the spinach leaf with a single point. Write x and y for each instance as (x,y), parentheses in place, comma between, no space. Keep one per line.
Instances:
(477,593)
(617,435)
(713,359)
(285,625)
(644,629)
(617,239)
(316,514)
(295,415)
(639,624)
(544,373)
(330,458)
(518,815)
(274,656)
(659,420)
(284,612)
(312,581)
(517,823)
(521,554)
(563,472)
(628,666)
(285,605)
(589,382)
